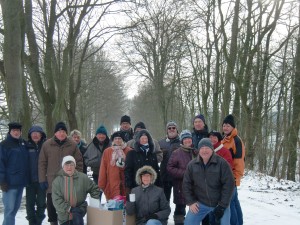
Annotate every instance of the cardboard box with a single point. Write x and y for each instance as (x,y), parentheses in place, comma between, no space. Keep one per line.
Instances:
(96,216)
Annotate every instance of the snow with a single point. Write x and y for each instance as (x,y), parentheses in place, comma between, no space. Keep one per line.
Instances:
(264,200)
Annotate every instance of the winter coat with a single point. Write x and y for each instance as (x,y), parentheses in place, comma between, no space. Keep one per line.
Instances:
(176,167)
(209,184)
(167,146)
(34,152)
(51,157)
(137,158)
(81,186)
(83,147)
(235,145)
(14,162)
(93,154)
(157,150)
(224,153)
(197,135)
(127,134)
(148,200)
(111,177)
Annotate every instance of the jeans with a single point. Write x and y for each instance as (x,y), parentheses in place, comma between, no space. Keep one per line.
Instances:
(11,202)
(236,210)
(153,222)
(195,219)
(35,203)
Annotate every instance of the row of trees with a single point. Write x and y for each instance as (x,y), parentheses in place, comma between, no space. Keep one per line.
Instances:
(192,56)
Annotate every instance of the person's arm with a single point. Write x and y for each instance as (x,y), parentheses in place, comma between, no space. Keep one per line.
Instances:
(2,166)
(102,181)
(188,185)
(129,170)
(42,165)
(173,166)
(227,181)
(158,151)
(165,209)
(238,160)
(93,188)
(79,159)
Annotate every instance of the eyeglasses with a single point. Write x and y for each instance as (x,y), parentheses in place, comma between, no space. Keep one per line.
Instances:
(171,128)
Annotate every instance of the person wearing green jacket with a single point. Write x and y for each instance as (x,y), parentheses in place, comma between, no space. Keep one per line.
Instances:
(69,193)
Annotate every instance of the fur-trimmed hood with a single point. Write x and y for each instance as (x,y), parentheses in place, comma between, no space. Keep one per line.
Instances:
(143,169)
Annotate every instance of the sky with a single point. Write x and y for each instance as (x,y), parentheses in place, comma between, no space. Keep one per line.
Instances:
(264,201)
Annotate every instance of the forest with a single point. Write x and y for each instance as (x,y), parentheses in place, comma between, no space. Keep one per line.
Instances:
(88,62)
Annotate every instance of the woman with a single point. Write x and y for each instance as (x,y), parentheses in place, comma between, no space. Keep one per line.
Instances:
(150,205)
(69,191)
(111,174)
(176,167)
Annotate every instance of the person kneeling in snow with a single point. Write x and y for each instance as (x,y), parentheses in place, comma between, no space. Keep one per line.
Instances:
(69,192)
(150,204)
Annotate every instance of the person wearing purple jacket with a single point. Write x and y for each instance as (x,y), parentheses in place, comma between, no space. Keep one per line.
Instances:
(176,167)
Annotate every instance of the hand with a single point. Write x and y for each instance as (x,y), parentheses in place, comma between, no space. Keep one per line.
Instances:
(44,185)
(219,212)
(194,208)
(4,187)
(151,216)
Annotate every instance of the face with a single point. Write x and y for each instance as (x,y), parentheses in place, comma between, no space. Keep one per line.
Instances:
(205,153)
(101,137)
(61,135)
(227,128)
(146,179)
(198,124)
(36,136)
(187,142)
(137,130)
(118,141)
(172,132)
(143,140)
(69,168)
(76,138)
(125,126)
(214,140)
(15,133)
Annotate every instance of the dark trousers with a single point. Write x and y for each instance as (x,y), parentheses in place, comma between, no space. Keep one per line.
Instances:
(35,203)
(167,186)
(179,209)
(52,215)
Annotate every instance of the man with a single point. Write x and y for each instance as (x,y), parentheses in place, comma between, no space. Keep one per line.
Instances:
(168,145)
(208,185)
(51,156)
(95,149)
(35,195)
(141,126)
(14,172)
(69,192)
(76,136)
(125,128)
(235,145)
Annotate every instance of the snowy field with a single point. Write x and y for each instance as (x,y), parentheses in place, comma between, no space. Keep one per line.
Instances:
(264,201)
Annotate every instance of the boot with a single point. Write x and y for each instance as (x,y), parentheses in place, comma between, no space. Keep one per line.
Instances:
(179,219)
(53,223)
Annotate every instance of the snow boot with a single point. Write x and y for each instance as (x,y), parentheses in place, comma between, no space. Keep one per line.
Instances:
(179,219)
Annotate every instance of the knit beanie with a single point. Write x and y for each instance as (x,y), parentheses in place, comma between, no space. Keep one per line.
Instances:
(125,119)
(229,120)
(60,126)
(140,125)
(205,142)
(101,130)
(201,117)
(117,134)
(171,124)
(66,159)
(185,134)
(216,134)
(14,125)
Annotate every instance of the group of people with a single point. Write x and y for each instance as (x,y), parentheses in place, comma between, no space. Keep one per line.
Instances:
(202,167)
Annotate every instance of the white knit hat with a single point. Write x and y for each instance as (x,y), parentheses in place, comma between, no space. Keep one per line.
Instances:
(68,158)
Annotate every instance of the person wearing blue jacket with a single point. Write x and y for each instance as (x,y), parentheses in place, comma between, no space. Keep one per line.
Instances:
(14,171)
(35,195)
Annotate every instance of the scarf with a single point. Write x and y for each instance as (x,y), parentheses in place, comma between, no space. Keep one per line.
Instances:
(118,156)
(145,148)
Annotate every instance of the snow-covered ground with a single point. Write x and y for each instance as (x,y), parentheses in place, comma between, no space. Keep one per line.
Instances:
(264,201)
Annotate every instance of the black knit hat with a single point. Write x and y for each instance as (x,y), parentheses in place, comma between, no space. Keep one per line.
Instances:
(125,119)
(14,125)
(229,120)
(200,116)
(117,134)
(60,126)
(140,125)
(216,134)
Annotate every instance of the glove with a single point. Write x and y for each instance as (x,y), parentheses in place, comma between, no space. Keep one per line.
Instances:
(44,185)
(4,187)
(218,213)
(151,216)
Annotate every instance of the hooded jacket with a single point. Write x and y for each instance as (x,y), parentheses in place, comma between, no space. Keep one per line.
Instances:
(149,200)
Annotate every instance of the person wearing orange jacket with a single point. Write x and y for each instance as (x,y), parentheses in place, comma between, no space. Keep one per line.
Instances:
(236,146)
